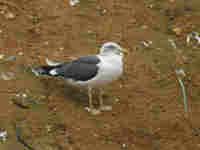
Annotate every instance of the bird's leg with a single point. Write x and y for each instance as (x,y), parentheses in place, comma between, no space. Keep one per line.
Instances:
(91,108)
(102,106)
(90,98)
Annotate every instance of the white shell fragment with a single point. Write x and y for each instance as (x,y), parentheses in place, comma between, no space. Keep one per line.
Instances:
(193,36)
(197,37)
(73,2)
(2,56)
(3,136)
(172,42)
(146,43)
(35,72)
(188,39)
(7,75)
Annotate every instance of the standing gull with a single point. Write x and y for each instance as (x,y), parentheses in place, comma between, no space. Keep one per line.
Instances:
(92,71)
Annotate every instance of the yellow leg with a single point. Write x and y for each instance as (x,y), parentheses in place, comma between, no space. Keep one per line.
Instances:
(91,108)
(90,97)
(102,106)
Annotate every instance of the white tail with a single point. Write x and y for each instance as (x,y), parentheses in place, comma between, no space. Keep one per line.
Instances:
(51,63)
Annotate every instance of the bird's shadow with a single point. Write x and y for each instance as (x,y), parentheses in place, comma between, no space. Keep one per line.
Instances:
(77,95)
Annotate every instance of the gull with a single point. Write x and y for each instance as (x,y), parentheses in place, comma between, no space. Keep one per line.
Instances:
(92,71)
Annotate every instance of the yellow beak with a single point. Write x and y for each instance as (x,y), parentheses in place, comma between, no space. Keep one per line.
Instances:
(124,51)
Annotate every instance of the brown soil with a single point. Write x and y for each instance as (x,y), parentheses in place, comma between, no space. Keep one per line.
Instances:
(148,111)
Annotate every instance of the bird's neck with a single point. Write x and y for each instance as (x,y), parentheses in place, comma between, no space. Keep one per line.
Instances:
(113,59)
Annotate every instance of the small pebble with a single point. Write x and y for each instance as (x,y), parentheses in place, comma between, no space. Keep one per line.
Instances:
(61,48)
(117,100)
(177,30)
(24,95)
(2,56)
(124,146)
(3,136)
(73,2)
(2,12)
(9,15)
(46,43)
(171,1)
(20,53)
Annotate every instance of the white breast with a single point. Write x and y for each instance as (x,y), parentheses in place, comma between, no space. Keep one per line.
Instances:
(110,68)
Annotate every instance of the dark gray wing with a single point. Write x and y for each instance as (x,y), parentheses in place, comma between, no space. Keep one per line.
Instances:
(81,69)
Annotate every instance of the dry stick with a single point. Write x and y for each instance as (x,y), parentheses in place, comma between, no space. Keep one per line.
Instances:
(184,95)
(180,74)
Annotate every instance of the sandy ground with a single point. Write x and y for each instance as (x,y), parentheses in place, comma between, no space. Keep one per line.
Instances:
(148,110)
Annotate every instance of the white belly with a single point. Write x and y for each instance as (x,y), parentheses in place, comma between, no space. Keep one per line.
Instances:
(110,69)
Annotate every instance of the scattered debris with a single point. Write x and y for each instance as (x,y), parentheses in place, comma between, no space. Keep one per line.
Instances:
(35,72)
(7,75)
(172,42)
(146,43)
(74,2)
(193,36)
(3,136)
(180,74)
(24,101)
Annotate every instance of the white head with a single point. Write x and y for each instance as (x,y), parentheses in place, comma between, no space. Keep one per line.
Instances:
(111,48)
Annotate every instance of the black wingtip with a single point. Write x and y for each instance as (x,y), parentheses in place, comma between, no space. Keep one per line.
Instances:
(43,70)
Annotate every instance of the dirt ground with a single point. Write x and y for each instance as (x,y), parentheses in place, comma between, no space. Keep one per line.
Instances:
(148,109)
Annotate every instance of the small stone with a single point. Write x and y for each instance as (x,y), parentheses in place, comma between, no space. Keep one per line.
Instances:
(3,135)
(124,146)
(73,2)
(46,43)
(117,100)
(177,30)
(24,95)
(2,56)
(9,15)
(61,48)
(20,53)
(2,12)
(49,128)
(171,1)
(144,26)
